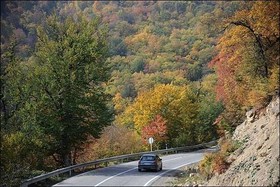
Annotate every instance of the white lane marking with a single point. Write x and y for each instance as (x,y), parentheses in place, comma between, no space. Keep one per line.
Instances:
(167,172)
(116,175)
(128,171)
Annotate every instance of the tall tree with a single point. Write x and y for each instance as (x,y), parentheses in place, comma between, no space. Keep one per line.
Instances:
(69,72)
(19,154)
(248,58)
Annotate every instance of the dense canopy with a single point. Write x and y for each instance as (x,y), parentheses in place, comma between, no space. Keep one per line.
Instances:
(82,80)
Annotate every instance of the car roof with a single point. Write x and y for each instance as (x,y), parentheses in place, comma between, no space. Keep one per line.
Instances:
(150,154)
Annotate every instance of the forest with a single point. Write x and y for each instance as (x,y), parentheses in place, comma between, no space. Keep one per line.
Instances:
(82,80)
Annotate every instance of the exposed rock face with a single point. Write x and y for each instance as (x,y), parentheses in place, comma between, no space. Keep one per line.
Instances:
(256,162)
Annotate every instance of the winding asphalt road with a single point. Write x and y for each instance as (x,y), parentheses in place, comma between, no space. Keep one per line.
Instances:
(126,174)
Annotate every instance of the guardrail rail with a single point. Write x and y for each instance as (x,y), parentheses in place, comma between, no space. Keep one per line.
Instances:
(121,158)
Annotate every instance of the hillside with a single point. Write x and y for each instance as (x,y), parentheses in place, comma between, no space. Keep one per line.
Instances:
(256,162)
(85,80)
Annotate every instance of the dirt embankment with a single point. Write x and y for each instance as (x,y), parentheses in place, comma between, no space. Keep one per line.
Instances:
(256,162)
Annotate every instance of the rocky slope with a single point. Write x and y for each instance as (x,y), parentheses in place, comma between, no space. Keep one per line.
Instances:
(256,162)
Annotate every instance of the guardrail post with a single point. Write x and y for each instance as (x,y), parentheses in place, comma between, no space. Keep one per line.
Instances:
(122,158)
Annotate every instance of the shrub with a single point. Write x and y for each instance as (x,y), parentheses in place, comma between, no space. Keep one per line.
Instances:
(228,146)
(217,162)
(206,165)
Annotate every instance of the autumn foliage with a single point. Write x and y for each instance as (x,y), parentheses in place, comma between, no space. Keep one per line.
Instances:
(156,129)
(217,163)
(163,69)
(247,61)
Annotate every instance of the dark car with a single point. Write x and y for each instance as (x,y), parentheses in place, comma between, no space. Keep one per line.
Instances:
(150,162)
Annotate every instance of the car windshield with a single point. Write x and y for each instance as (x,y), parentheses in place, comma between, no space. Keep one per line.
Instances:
(148,158)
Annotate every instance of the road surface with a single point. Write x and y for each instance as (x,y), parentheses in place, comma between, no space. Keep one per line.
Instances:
(127,174)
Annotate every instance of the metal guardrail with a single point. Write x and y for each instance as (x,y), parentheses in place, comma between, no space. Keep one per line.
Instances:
(115,158)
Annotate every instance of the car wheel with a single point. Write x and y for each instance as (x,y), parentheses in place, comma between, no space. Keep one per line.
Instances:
(160,167)
(139,169)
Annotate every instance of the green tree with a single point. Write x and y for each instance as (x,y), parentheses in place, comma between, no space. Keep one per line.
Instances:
(19,155)
(69,71)
(209,109)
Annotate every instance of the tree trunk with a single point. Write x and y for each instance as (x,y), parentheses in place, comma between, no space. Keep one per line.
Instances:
(67,158)
(259,43)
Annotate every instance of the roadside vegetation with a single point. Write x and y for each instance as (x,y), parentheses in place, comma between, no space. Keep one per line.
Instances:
(83,80)
(218,162)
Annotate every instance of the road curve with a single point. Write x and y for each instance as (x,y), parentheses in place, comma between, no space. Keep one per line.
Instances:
(126,174)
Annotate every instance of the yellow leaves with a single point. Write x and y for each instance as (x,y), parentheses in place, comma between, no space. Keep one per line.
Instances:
(266,14)
(13,140)
(208,83)
(148,104)
(262,20)
(233,37)
(141,37)
(116,101)
(145,39)
(256,98)
(205,165)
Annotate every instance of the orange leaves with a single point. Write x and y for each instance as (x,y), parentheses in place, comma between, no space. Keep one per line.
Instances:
(267,14)
(243,62)
(219,163)
(156,129)
(225,73)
